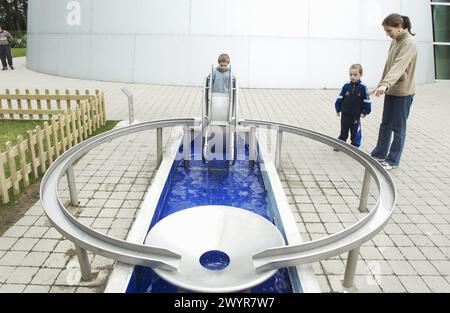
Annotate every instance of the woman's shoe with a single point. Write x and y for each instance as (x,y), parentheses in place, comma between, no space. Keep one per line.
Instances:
(4,69)
(388,166)
(377,159)
(11,67)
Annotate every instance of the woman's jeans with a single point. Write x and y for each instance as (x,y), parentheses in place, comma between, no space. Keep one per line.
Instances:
(395,114)
(5,55)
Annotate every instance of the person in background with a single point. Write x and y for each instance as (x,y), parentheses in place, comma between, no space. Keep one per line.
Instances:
(5,49)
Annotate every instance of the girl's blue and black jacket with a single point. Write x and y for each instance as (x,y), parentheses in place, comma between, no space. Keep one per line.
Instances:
(354,99)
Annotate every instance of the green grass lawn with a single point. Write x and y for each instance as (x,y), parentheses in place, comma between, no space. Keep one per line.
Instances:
(19,52)
(9,130)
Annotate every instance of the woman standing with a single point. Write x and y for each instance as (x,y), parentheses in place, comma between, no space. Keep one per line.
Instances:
(5,49)
(398,83)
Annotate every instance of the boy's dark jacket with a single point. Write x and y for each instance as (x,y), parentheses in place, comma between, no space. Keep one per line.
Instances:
(354,99)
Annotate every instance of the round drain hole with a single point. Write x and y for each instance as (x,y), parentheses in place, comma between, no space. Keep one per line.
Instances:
(215,260)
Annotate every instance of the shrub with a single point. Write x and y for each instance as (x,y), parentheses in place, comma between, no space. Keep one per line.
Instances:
(19,40)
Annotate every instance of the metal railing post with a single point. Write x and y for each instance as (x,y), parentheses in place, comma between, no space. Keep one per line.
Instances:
(85,265)
(129,95)
(186,146)
(72,186)
(252,146)
(278,149)
(365,191)
(350,269)
(159,139)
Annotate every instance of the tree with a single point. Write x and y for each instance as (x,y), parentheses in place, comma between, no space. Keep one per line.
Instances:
(13,15)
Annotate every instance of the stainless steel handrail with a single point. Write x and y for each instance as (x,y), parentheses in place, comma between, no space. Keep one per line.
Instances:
(84,236)
(133,253)
(349,238)
(232,117)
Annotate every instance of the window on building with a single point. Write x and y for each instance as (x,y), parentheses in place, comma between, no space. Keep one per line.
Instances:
(441,28)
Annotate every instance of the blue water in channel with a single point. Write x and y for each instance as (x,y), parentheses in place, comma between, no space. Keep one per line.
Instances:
(215,183)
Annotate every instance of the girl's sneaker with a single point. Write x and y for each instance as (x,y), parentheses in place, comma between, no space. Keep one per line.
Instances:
(388,166)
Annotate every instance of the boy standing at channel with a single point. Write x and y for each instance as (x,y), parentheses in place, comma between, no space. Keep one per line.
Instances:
(220,87)
(221,75)
(353,103)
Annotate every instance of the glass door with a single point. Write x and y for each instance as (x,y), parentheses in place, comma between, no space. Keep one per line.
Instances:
(441,29)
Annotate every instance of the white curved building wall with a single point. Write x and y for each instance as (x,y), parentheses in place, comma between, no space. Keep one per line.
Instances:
(272,43)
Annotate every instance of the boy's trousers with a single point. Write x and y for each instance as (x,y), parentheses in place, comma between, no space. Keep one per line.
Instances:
(5,55)
(352,124)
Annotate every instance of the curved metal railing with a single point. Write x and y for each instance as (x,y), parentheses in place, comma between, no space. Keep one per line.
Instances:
(349,238)
(159,257)
(85,237)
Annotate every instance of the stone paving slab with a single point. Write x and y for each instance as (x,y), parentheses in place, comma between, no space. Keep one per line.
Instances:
(411,254)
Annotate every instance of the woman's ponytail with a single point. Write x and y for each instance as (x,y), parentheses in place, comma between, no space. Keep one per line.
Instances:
(407,24)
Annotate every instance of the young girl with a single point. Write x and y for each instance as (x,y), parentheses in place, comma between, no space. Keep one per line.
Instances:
(398,83)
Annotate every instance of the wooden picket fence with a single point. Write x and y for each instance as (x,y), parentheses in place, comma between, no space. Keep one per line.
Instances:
(69,119)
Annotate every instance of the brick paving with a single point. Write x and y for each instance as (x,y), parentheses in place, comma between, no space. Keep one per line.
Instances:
(410,255)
